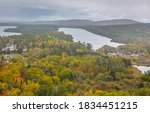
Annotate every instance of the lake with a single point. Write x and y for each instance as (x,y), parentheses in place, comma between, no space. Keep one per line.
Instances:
(82,35)
(143,69)
(2,33)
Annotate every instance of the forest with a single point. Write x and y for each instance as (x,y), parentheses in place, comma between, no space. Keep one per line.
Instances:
(122,33)
(46,62)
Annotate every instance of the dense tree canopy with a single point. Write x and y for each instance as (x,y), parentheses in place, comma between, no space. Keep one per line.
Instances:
(50,63)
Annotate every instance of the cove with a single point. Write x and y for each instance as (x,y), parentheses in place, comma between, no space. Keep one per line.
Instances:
(2,33)
(143,69)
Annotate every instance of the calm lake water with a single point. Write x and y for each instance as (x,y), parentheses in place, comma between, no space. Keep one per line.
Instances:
(143,69)
(2,33)
(81,35)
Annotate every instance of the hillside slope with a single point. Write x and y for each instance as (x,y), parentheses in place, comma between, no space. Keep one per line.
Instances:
(122,33)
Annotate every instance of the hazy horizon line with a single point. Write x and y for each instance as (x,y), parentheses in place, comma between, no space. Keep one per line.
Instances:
(19,21)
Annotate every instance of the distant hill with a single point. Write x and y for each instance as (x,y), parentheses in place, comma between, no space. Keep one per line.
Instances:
(119,30)
(115,22)
(74,22)
(67,22)
(77,22)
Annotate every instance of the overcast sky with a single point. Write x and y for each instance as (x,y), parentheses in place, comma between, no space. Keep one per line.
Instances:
(33,10)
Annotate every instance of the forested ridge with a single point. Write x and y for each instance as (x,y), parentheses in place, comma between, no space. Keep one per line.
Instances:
(121,30)
(48,62)
(122,33)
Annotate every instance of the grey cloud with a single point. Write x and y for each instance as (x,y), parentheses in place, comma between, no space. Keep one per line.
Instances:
(69,9)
